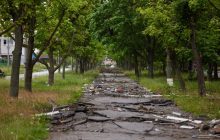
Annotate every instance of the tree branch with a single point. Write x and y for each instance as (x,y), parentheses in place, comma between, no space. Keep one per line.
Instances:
(7,30)
(12,9)
(47,43)
(10,35)
(44,63)
(213,5)
(64,58)
(59,65)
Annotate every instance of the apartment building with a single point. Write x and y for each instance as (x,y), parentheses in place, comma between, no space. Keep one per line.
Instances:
(7,46)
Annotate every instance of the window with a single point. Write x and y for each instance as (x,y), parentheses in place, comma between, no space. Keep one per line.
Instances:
(5,42)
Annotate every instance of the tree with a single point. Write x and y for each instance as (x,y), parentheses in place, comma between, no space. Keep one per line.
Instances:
(17,11)
(161,24)
(63,13)
(120,25)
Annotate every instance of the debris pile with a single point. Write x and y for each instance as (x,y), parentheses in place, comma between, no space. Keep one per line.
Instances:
(115,107)
(110,70)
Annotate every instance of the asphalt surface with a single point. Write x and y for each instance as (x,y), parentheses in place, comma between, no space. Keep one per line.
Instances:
(114,107)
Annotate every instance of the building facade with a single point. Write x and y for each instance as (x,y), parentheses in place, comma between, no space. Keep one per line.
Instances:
(7,46)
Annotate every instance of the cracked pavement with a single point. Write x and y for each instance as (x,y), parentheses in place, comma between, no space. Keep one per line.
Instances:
(114,107)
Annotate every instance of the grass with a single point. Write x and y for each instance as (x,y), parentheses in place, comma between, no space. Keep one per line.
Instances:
(188,101)
(17,115)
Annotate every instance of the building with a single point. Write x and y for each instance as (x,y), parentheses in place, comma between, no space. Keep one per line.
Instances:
(7,46)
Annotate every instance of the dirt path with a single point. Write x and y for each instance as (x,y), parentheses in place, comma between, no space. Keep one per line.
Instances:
(115,107)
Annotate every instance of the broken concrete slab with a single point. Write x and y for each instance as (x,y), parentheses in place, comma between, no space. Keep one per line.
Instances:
(98,118)
(121,100)
(80,116)
(177,119)
(48,113)
(134,114)
(117,114)
(215,129)
(141,127)
(187,127)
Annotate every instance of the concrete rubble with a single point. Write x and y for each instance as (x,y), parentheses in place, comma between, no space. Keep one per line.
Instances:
(115,107)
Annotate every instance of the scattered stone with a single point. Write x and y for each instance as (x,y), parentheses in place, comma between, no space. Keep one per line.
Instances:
(204,127)
(177,119)
(215,129)
(176,113)
(197,121)
(186,127)
(214,122)
(99,86)
(119,89)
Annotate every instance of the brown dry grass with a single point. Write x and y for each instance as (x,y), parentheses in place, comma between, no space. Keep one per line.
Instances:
(25,104)
(16,115)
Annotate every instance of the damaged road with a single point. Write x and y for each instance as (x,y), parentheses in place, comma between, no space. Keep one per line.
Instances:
(115,107)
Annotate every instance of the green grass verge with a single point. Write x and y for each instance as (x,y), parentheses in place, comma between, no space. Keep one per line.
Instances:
(22,128)
(16,117)
(71,86)
(188,101)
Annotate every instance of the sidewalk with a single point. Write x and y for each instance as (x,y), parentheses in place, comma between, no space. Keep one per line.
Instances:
(37,74)
(114,107)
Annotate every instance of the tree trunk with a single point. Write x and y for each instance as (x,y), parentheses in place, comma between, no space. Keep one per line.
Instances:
(77,66)
(58,60)
(29,65)
(64,71)
(28,78)
(150,60)
(169,64)
(164,68)
(198,60)
(85,65)
(180,78)
(81,66)
(14,84)
(215,71)
(72,65)
(136,69)
(209,72)
(51,67)
(190,70)
(51,77)
(177,69)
